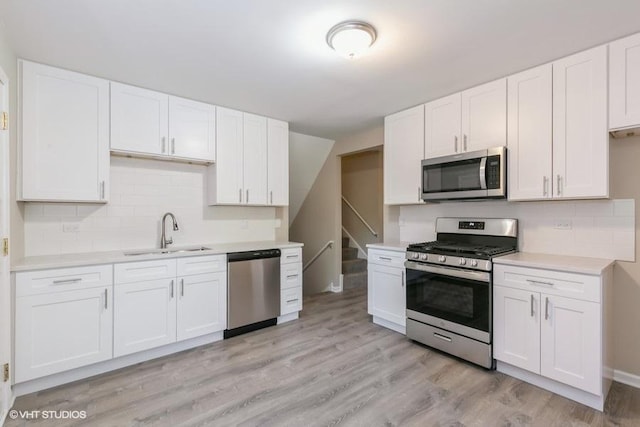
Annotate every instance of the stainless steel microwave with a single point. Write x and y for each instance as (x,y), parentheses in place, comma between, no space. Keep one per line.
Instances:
(478,174)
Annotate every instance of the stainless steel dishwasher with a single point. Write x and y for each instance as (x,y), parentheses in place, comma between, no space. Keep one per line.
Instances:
(253,290)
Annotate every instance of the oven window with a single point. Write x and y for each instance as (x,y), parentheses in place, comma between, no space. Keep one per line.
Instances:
(463,175)
(462,301)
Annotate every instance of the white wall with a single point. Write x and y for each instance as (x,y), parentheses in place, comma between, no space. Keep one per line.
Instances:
(141,192)
(307,155)
(599,228)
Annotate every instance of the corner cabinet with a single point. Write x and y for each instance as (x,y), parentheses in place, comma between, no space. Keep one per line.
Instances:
(549,329)
(252,161)
(557,129)
(63,135)
(146,123)
(624,84)
(403,153)
(386,289)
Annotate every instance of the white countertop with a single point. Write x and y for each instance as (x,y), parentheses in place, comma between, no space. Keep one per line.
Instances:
(93,258)
(571,264)
(390,246)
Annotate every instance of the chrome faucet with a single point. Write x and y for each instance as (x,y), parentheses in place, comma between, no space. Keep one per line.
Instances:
(163,240)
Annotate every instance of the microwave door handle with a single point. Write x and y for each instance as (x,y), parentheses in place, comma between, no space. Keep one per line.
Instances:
(483,173)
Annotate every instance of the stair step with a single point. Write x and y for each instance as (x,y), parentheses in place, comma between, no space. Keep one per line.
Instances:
(349,253)
(354,266)
(345,242)
(354,280)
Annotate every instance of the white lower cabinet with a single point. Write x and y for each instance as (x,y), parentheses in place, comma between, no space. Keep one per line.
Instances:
(290,281)
(63,320)
(549,326)
(386,299)
(145,316)
(196,318)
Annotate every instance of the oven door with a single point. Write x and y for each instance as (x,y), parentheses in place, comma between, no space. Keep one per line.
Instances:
(453,299)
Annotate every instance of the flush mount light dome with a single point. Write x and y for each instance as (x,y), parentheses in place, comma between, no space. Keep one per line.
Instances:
(351,38)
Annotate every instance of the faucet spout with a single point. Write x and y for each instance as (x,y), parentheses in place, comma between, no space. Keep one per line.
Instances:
(163,240)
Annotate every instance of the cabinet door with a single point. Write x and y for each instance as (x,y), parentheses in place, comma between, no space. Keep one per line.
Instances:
(192,129)
(387,293)
(484,116)
(202,305)
(442,127)
(139,120)
(145,316)
(529,134)
(255,159)
(278,162)
(570,341)
(403,154)
(61,331)
(516,327)
(580,134)
(228,168)
(624,83)
(64,135)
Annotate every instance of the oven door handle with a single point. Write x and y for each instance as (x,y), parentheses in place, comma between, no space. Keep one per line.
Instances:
(479,276)
(483,173)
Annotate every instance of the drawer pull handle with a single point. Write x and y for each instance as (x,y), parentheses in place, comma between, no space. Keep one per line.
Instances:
(538,282)
(106,297)
(292,276)
(292,300)
(442,337)
(531,305)
(182,287)
(172,289)
(63,281)
(386,258)
(292,256)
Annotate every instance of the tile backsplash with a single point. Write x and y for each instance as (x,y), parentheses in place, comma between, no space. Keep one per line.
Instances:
(598,228)
(141,192)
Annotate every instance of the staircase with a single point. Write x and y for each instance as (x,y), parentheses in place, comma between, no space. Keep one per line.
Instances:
(353,268)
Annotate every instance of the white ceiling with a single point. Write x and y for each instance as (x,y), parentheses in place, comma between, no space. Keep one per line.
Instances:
(270,57)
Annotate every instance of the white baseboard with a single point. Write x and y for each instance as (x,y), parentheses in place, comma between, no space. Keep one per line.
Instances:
(390,325)
(626,378)
(335,289)
(288,317)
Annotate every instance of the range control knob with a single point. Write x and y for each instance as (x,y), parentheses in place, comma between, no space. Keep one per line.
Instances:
(423,257)
(462,261)
(474,263)
(442,258)
(416,256)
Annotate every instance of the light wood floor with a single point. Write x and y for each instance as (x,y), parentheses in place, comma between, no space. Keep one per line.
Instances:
(331,367)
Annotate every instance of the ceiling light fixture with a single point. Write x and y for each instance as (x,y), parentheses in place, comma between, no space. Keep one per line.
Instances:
(351,38)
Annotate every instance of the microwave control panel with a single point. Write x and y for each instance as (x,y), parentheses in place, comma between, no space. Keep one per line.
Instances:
(493,172)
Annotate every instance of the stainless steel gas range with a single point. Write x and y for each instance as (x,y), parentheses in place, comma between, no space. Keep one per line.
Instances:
(449,285)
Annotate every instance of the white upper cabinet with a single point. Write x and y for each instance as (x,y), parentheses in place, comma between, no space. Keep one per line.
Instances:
(255,159)
(442,127)
(252,161)
(64,135)
(529,134)
(192,129)
(139,120)
(467,121)
(154,124)
(278,162)
(580,133)
(624,83)
(484,116)
(403,153)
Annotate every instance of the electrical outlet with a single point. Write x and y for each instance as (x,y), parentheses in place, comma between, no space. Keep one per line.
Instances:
(70,227)
(562,224)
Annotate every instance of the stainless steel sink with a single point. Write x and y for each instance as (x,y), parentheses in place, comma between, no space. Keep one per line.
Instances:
(167,251)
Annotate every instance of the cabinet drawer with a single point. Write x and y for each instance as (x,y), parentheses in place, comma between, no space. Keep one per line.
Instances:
(63,279)
(290,275)
(390,258)
(291,255)
(144,270)
(202,265)
(570,285)
(290,300)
